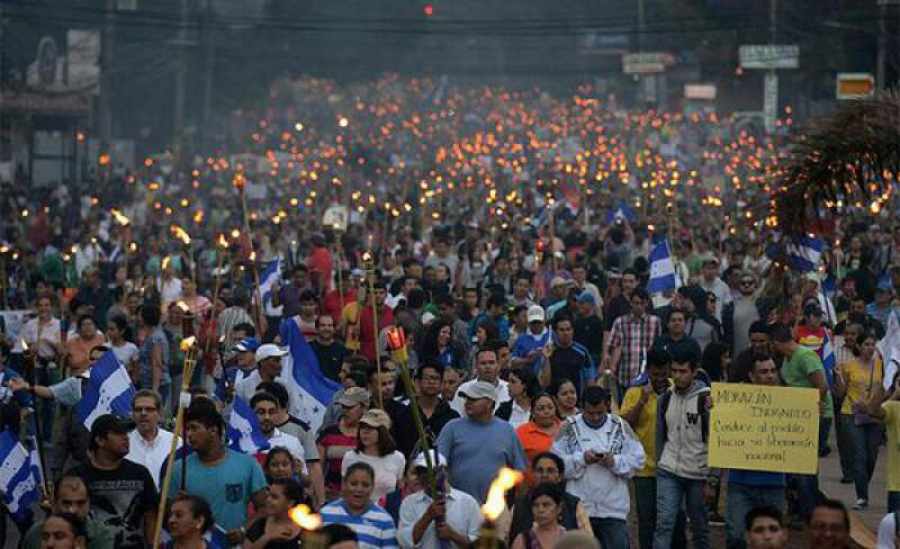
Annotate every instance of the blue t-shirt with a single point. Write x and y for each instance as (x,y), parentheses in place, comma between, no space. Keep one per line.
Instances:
(761,479)
(226,486)
(528,342)
(475,451)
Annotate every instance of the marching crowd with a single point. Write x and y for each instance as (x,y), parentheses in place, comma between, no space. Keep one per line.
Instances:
(533,343)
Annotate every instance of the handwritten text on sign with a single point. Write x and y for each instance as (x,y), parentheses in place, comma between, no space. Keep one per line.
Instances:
(764,428)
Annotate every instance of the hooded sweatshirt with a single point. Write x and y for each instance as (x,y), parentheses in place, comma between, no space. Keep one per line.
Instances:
(682,432)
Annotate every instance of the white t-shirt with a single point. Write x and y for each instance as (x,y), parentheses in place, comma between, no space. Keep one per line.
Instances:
(388,470)
(125,353)
(290,443)
(32,332)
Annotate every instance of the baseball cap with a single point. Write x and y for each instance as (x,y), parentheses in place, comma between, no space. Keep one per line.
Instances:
(586,297)
(559,281)
(480,389)
(248,344)
(709,258)
(535,313)
(376,418)
(110,423)
(269,350)
(354,396)
(436,459)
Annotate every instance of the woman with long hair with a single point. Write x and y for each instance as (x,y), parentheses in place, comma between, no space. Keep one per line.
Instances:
(566,395)
(485,331)
(438,345)
(376,447)
(276,530)
(545,529)
(280,464)
(523,386)
(857,382)
(715,361)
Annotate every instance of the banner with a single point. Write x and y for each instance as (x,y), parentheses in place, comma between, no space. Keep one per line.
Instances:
(764,428)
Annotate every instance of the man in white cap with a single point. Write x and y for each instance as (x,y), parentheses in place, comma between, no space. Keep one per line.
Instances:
(479,444)
(528,348)
(268,368)
(453,517)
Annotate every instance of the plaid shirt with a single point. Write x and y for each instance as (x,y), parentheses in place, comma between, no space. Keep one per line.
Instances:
(635,336)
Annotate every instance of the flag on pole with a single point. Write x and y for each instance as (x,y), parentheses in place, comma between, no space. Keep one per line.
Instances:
(803,253)
(622,212)
(829,361)
(271,273)
(18,478)
(303,376)
(109,391)
(889,347)
(243,429)
(662,269)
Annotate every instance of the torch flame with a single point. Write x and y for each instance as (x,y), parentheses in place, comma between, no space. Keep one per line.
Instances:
(496,501)
(222,242)
(181,234)
(183,306)
(187,343)
(165,262)
(303,517)
(120,218)
(24,345)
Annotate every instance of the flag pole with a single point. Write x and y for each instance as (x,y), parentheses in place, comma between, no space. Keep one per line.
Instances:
(190,360)
(30,357)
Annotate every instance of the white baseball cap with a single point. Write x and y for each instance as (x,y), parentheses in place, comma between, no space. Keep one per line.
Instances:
(535,313)
(268,351)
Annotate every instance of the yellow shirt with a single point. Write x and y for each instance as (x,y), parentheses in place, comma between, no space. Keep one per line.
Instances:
(892,427)
(856,376)
(645,428)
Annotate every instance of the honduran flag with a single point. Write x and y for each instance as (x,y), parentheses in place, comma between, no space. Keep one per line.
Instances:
(303,377)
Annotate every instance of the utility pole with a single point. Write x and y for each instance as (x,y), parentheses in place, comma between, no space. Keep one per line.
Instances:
(181,42)
(209,60)
(105,122)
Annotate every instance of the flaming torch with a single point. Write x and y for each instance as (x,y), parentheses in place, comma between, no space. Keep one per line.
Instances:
(495,505)
(185,238)
(310,522)
(189,349)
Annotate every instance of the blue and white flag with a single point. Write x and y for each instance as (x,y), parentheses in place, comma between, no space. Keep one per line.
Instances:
(829,361)
(889,347)
(243,430)
(19,483)
(109,391)
(622,212)
(662,269)
(803,253)
(303,377)
(271,273)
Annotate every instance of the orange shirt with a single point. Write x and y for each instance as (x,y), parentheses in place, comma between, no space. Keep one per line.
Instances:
(534,441)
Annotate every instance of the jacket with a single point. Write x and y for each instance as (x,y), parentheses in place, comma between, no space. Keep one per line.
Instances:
(603,490)
(682,432)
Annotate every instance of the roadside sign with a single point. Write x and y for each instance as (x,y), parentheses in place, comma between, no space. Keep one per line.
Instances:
(770,100)
(769,56)
(700,91)
(646,63)
(855,85)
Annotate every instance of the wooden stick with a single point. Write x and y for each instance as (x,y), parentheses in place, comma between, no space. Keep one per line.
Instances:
(370,278)
(190,361)
(259,311)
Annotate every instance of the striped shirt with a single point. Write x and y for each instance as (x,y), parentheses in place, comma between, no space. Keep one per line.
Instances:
(635,336)
(374,527)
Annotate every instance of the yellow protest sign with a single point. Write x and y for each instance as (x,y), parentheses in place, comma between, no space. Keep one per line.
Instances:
(764,428)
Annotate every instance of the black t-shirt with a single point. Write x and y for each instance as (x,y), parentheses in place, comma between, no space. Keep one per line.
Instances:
(119,499)
(569,363)
(330,358)
(258,528)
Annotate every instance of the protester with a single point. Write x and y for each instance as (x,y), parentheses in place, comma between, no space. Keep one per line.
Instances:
(228,480)
(452,517)
(265,406)
(566,395)
(631,337)
(889,413)
(72,497)
(336,440)
(149,444)
(545,531)
(374,527)
(123,495)
(523,387)
(275,529)
(478,444)
(375,446)
(487,371)
(190,518)
(765,528)
(829,526)
(889,531)
(566,359)
(434,410)
(63,531)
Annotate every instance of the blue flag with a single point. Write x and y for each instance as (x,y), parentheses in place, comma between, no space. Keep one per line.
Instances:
(622,212)
(662,269)
(803,253)
(304,377)
(109,391)
(243,430)
(19,479)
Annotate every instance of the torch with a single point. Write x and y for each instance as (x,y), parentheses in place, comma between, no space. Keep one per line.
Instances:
(369,267)
(310,522)
(30,356)
(495,505)
(185,238)
(190,360)
(397,342)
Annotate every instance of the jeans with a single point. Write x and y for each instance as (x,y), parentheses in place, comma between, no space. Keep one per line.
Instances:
(671,490)
(824,431)
(844,444)
(612,533)
(893,502)
(741,498)
(866,440)
(645,506)
(807,490)
(46,408)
